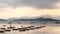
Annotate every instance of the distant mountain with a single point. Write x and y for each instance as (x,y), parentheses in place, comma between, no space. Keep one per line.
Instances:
(43,18)
(46,19)
(49,16)
(39,18)
(36,19)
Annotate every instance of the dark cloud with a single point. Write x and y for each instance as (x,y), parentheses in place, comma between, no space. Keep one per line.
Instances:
(32,3)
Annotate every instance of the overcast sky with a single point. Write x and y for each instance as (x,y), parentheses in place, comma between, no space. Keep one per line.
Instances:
(31,8)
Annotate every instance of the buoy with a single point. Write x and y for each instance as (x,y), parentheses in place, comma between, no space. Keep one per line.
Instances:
(4,25)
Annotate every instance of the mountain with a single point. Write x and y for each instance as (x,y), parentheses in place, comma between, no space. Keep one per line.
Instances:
(43,18)
(37,18)
(53,17)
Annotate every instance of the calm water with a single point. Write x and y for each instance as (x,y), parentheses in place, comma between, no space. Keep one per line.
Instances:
(49,29)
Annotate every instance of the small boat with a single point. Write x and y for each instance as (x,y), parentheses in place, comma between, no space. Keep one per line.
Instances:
(41,26)
(30,28)
(15,29)
(7,30)
(22,30)
(4,25)
(10,27)
(26,28)
(3,28)
(18,28)
(1,31)
(36,27)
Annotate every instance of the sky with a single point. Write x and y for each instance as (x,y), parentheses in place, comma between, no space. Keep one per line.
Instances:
(31,8)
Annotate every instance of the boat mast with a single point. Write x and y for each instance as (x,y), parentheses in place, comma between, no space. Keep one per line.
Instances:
(10,22)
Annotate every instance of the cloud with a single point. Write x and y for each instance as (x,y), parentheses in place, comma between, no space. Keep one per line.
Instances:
(9,12)
(31,3)
(56,5)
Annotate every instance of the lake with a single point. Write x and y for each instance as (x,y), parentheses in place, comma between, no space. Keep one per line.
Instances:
(49,29)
